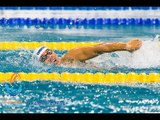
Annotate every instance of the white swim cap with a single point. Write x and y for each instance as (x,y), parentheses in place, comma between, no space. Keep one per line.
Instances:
(38,52)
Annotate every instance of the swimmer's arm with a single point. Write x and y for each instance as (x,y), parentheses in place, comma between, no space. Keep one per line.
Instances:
(85,53)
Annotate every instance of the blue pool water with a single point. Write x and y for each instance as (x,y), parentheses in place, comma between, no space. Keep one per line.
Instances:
(57,97)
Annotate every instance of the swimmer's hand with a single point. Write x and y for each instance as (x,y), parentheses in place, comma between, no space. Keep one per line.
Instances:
(133,45)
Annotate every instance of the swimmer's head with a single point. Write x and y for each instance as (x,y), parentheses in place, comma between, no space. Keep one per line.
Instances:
(46,56)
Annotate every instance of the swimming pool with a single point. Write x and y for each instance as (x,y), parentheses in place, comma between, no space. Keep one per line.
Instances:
(47,96)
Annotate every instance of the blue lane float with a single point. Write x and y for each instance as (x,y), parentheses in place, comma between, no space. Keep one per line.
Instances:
(80,8)
(45,22)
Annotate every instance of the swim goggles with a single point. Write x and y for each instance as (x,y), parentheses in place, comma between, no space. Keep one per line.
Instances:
(44,57)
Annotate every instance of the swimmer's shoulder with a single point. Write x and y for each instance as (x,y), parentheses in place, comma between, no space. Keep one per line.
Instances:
(69,60)
(66,59)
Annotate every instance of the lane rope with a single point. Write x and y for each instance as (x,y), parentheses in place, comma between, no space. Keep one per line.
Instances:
(80,8)
(85,77)
(46,22)
(14,45)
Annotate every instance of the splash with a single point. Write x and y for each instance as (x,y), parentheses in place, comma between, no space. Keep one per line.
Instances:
(146,57)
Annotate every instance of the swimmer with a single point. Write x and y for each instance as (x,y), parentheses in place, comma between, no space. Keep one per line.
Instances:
(82,54)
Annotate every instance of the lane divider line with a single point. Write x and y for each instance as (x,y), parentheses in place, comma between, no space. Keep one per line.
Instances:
(14,45)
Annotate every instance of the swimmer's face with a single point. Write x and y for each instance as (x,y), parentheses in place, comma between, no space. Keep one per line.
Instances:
(49,57)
